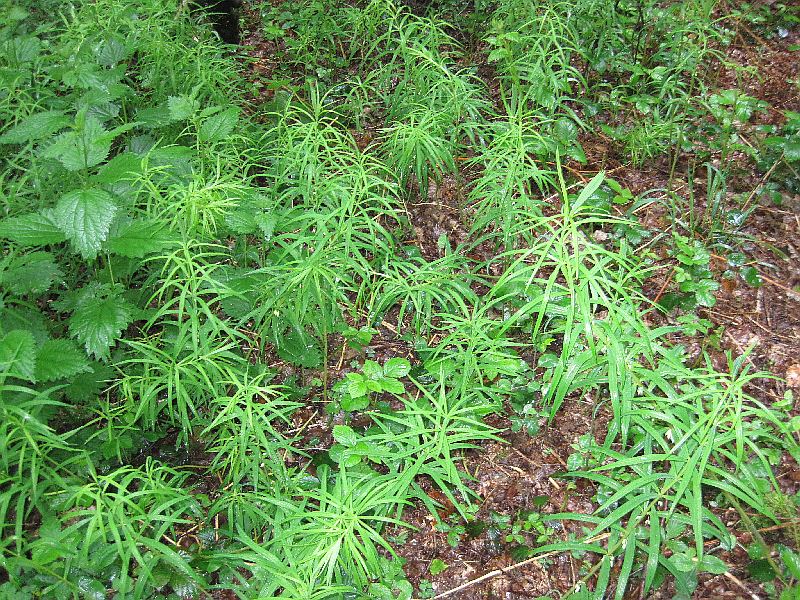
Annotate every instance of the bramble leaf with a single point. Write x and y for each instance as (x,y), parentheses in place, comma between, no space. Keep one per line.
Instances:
(396,367)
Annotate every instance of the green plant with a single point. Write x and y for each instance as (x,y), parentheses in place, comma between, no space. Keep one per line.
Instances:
(188,234)
(696,283)
(357,388)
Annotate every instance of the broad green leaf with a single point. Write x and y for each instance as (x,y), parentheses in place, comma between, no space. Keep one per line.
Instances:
(123,167)
(86,146)
(588,191)
(437,566)
(23,49)
(791,560)
(392,386)
(300,348)
(565,130)
(18,354)
(396,367)
(36,127)
(33,229)
(30,273)
(91,589)
(357,385)
(791,148)
(241,221)
(98,323)
(372,370)
(85,218)
(136,239)
(16,13)
(351,404)
(345,435)
(751,276)
(90,383)
(153,117)
(684,563)
(59,359)
(713,564)
(576,152)
(182,107)
(219,126)
(111,51)
(761,570)
(266,223)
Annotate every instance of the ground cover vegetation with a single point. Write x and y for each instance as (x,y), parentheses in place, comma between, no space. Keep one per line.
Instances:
(273,316)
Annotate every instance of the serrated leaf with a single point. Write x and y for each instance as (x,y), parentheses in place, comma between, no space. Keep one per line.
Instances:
(345,435)
(241,221)
(36,127)
(23,49)
(98,323)
(182,107)
(34,229)
(123,167)
(357,386)
(136,239)
(83,148)
(437,566)
(351,404)
(111,51)
(89,384)
(565,130)
(372,370)
(59,359)
(219,126)
(156,116)
(396,367)
(18,354)
(266,223)
(300,348)
(30,273)
(392,386)
(85,218)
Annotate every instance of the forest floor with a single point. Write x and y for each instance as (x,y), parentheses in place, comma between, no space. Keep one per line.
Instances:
(523,470)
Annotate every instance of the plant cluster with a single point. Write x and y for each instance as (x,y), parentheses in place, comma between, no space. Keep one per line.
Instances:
(168,243)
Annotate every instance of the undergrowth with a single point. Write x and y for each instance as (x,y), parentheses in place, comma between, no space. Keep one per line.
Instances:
(184,270)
